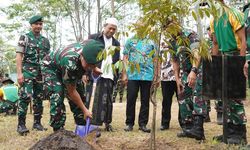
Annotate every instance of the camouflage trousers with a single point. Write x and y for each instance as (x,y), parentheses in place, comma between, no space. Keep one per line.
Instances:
(30,90)
(119,87)
(218,105)
(56,91)
(103,105)
(190,100)
(235,111)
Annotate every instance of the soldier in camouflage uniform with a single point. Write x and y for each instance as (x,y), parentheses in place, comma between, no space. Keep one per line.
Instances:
(231,25)
(246,10)
(63,69)
(32,48)
(188,76)
(119,87)
(218,102)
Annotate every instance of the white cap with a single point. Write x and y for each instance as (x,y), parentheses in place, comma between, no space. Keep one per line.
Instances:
(113,21)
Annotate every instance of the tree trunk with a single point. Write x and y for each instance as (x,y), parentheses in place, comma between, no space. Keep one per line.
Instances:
(153,100)
(67,7)
(89,15)
(98,16)
(153,91)
(113,8)
(79,24)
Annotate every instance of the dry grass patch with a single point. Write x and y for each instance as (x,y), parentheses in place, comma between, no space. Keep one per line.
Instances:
(118,140)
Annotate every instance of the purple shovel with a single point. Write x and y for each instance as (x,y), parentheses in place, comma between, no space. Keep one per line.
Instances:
(81,130)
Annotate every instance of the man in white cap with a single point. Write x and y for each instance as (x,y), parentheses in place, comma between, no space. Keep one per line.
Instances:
(103,106)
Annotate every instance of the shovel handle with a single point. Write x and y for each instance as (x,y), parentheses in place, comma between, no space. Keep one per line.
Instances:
(95,78)
(91,102)
(87,125)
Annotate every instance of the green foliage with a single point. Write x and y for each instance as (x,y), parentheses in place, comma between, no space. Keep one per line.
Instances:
(7,59)
(18,13)
(163,19)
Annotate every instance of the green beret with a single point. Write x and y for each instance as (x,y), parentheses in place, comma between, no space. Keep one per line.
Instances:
(91,48)
(36,18)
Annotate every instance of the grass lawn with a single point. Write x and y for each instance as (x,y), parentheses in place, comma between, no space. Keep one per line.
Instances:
(119,140)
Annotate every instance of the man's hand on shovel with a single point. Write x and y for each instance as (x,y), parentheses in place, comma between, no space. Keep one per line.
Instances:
(97,71)
(87,114)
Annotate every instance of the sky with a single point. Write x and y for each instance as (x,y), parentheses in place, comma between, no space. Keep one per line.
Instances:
(65,27)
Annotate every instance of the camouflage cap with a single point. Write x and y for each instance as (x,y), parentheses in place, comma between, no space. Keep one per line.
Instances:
(91,48)
(36,18)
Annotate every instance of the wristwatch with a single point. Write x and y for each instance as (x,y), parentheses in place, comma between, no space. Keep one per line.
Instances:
(195,70)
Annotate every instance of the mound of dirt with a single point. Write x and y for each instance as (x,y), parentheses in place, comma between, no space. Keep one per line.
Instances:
(63,140)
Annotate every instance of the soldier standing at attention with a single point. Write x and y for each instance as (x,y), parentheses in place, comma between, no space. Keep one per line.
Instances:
(32,48)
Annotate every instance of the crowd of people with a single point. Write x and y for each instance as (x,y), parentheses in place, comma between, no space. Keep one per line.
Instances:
(68,71)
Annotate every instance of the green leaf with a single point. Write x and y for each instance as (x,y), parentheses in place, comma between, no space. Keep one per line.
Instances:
(113,69)
(104,54)
(99,55)
(200,13)
(132,67)
(207,12)
(194,15)
(151,53)
(120,67)
(138,67)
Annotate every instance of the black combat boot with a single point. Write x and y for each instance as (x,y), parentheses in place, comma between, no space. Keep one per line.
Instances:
(237,134)
(37,124)
(185,127)
(197,131)
(21,128)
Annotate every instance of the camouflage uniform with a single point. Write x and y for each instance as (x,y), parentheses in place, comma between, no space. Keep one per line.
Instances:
(59,68)
(34,50)
(229,24)
(247,22)
(190,101)
(218,102)
(229,46)
(193,108)
(119,87)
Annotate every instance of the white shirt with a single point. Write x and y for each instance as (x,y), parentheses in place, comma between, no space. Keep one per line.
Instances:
(106,67)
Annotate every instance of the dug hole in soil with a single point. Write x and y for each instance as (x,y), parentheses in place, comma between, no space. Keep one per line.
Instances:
(63,140)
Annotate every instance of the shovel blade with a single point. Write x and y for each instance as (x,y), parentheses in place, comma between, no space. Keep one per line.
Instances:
(80,130)
(83,131)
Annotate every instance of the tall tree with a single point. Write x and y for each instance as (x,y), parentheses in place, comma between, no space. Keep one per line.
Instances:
(98,15)
(113,8)
(89,16)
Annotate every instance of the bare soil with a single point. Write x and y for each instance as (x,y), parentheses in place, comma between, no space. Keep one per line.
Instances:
(117,140)
(63,140)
